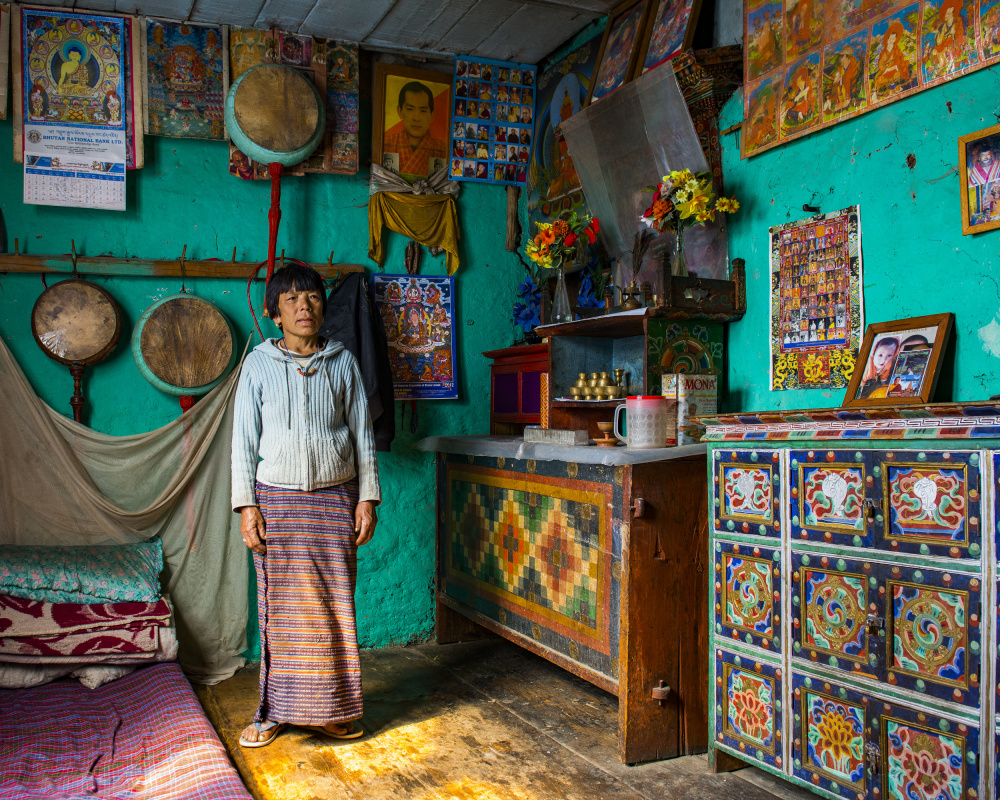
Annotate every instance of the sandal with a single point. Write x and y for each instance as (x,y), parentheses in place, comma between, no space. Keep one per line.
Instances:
(351,733)
(274,728)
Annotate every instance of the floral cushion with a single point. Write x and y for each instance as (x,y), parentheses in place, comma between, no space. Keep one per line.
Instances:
(117,573)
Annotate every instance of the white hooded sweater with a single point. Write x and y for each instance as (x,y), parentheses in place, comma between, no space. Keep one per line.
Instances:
(309,427)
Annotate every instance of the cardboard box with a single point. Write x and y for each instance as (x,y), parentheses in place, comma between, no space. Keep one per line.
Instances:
(694,395)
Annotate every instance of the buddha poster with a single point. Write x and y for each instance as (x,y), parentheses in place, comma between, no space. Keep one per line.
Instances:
(73,106)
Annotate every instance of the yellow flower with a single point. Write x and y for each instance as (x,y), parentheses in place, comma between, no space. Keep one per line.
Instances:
(682,196)
(692,185)
(734,204)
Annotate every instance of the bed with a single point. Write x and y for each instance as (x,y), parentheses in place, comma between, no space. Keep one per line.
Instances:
(141,736)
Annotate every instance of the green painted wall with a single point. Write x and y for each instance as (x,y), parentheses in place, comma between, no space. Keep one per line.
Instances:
(915,259)
(184,196)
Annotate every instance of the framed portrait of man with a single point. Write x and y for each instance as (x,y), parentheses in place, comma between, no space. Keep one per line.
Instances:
(411,127)
(979,169)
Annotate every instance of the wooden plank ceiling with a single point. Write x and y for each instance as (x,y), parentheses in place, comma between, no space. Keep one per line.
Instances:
(510,30)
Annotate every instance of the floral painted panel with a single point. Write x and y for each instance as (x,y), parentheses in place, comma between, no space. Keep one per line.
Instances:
(747,594)
(828,494)
(831,608)
(930,503)
(933,633)
(921,762)
(747,485)
(748,707)
(829,748)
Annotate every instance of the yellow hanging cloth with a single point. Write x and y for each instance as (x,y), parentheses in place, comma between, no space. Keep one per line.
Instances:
(430,219)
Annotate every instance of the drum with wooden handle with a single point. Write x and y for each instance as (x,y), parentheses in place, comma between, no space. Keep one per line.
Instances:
(76,323)
(184,346)
(275,115)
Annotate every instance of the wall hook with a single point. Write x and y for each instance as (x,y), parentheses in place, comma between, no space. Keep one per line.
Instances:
(234,255)
(182,259)
(16,249)
(72,245)
(810,209)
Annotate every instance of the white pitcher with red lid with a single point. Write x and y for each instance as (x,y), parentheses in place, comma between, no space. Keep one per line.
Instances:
(647,421)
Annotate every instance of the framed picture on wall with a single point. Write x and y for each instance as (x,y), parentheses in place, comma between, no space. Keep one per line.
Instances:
(669,30)
(619,51)
(898,362)
(979,168)
(410,126)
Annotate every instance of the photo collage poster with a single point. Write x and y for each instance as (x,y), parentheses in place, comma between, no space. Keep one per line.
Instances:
(418,312)
(73,104)
(493,115)
(809,64)
(185,79)
(817,315)
(333,69)
(553,185)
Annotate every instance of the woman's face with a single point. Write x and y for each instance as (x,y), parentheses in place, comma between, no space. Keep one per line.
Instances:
(300,312)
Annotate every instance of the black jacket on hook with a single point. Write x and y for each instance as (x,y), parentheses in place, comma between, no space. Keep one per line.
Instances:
(352,319)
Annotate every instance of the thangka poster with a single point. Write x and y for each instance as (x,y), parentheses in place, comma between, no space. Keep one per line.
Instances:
(493,105)
(810,64)
(418,313)
(184,79)
(553,185)
(72,93)
(817,313)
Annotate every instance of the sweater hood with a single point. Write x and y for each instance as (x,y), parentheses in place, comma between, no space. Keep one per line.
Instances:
(269,347)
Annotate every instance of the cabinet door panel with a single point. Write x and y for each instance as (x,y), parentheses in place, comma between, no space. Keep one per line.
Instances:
(748,707)
(747,492)
(827,496)
(831,736)
(930,503)
(932,638)
(748,594)
(923,755)
(830,606)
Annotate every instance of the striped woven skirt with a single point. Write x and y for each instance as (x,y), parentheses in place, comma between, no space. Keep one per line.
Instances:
(310,672)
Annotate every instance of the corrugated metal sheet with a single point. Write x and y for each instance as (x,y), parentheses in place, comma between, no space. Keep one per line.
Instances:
(513,30)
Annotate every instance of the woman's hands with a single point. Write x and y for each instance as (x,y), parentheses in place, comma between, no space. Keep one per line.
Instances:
(252,529)
(365,521)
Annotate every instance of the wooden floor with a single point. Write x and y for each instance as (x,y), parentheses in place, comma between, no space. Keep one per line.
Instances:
(478,721)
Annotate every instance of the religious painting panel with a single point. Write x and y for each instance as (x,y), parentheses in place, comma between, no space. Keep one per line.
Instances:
(552,183)
(933,638)
(930,504)
(760,127)
(817,315)
(418,313)
(682,348)
(536,551)
(747,492)
(830,608)
(893,55)
(827,495)
(669,31)
(184,70)
(869,54)
(619,48)
(923,755)
(748,703)
(829,747)
(748,594)
(492,121)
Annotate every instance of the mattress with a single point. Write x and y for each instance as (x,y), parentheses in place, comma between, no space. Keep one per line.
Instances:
(142,736)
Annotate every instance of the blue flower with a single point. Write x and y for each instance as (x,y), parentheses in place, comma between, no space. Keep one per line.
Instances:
(526,315)
(528,290)
(585,297)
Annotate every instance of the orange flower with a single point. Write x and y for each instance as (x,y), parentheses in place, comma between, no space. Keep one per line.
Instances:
(560,228)
(661,208)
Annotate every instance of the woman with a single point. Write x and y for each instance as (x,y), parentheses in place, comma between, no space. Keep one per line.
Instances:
(305,509)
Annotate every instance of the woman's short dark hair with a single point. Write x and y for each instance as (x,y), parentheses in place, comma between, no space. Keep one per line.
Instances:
(292,278)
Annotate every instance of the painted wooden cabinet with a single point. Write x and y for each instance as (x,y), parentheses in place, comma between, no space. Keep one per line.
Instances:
(594,560)
(853,601)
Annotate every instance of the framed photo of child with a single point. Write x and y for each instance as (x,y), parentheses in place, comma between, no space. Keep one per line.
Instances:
(898,362)
(979,170)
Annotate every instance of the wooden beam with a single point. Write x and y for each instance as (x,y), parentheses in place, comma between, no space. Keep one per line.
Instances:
(138,267)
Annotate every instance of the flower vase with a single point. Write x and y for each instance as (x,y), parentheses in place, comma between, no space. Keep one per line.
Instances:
(561,309)
(679,267)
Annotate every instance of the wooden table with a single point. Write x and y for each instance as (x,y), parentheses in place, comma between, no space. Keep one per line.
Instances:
(594,559)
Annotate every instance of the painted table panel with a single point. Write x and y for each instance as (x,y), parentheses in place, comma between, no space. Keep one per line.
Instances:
(827,496)
(746,492)
(748,707)
(537,551)
(747,594)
